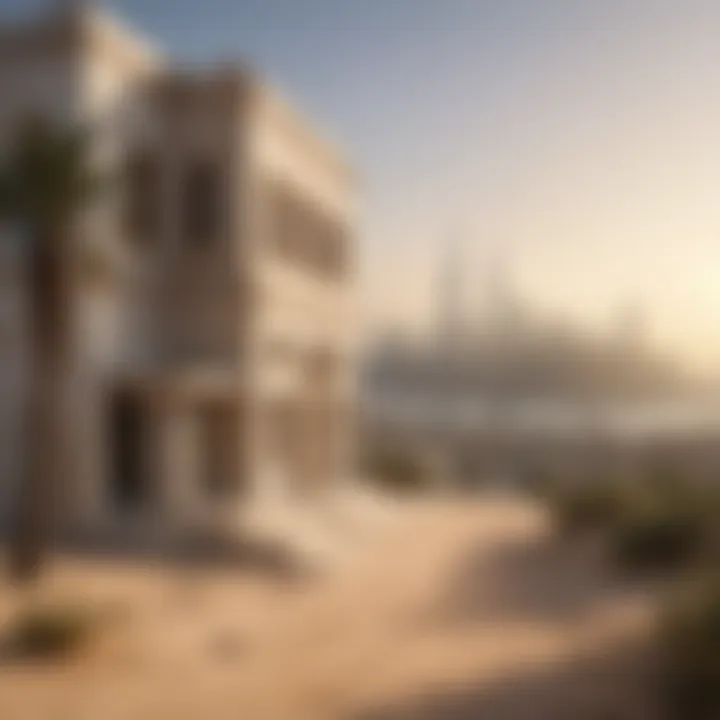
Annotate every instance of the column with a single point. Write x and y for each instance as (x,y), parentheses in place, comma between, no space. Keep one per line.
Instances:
(174,437)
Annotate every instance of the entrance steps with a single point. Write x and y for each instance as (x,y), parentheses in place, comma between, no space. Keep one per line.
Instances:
(319,533)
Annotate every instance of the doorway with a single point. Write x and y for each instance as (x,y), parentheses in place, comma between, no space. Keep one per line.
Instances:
(129,488)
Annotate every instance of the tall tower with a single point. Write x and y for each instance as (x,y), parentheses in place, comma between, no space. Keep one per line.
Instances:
(450,321)
(504,310)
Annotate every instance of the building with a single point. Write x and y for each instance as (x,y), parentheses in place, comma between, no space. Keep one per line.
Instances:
(498,389)
(214,366)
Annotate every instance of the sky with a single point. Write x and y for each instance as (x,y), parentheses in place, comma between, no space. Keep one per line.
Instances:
(576,140)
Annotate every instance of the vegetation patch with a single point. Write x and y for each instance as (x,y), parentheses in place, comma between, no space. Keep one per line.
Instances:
(51,631)
(401,470)
(689,645)
(595,506)
(661,539)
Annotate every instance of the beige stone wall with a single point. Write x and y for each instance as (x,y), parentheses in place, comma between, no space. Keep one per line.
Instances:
(230,307)
(113,319)
(38,80)
(79,69)
(296,304)
(302,313)
(200,278)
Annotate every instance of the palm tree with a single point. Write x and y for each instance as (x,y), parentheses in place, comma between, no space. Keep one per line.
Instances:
(44,185)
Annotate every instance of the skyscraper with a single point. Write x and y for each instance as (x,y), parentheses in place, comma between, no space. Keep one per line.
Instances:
(451,310)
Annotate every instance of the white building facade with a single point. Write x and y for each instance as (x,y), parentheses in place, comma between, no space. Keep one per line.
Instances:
(214,365)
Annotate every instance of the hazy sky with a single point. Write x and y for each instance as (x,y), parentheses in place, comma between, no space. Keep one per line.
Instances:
(578,139)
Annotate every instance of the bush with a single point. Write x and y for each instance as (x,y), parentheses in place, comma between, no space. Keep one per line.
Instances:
(401,470)
(673,528)
(656,524)
(659,539)
(51,631)
(690,657)
(587,507)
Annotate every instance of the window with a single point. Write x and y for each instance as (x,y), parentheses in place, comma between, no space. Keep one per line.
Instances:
(129,481)
(306,235)
(201,203)
(142,198)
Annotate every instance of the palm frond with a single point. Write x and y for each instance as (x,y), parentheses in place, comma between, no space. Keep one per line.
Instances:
(46,176)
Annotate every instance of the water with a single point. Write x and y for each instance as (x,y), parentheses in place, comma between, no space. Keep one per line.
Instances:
(545,416)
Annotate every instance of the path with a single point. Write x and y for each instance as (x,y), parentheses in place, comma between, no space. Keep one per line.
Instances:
(453,610)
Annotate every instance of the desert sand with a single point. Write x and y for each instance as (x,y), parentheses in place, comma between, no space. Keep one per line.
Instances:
(450,609)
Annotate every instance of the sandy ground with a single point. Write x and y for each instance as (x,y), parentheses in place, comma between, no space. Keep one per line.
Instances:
(448,610)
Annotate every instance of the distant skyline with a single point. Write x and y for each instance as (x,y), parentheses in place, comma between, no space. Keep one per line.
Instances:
(579,140)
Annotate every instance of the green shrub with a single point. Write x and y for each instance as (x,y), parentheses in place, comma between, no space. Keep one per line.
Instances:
(689,680)
(593,506)
(400,470)
(51,631)
(674,527)
(655,523)
(665,481)
(659,539)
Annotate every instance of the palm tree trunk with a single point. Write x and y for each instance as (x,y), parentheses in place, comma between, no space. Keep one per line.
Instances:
(46,459)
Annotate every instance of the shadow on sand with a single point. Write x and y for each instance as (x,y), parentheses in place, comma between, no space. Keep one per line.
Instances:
(540,579)
(618,686)
(272,560)
(544,581)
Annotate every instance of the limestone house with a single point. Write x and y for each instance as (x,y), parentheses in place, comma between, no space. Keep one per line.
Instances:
(215,364)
